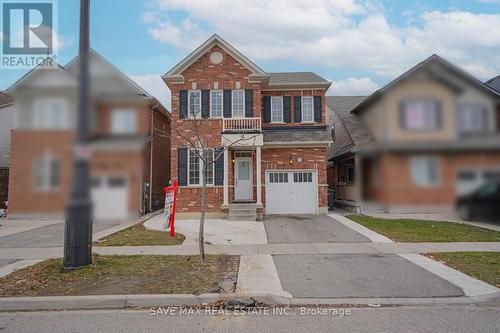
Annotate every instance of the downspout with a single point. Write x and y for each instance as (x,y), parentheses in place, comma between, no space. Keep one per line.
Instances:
(151,156)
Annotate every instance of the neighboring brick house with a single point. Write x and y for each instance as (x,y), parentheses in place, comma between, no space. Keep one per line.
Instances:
(130,143)
(278,121)
(6,124)
(416,144)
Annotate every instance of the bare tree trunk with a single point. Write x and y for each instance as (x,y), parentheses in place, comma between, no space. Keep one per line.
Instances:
(201,235)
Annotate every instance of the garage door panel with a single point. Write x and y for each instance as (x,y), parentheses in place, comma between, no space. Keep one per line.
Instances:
(291,192)
(109,198)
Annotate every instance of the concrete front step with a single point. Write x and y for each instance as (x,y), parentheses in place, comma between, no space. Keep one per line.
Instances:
(243,212)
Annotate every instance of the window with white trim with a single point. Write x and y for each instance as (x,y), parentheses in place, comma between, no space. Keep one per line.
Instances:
(276,109)
(47,173)
(307,109)
(302,177)
(238,101)
(425,171)
(50,113)
(195,167)
(194,103)
(123,121)
(216,103)
(472,118)
(420,114)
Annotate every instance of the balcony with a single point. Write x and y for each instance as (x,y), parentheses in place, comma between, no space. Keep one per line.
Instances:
(241,125)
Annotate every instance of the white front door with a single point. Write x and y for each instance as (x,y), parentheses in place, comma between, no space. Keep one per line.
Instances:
(243,181)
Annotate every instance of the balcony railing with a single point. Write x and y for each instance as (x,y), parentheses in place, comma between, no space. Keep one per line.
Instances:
(241,125)
(345,192)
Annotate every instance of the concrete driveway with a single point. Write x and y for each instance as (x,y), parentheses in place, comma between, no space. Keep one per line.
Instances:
(309,229)
(358,275)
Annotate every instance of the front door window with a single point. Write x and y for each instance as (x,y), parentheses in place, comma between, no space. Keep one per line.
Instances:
(243,179)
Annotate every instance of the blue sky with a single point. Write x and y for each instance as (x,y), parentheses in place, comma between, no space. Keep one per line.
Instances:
(360,45)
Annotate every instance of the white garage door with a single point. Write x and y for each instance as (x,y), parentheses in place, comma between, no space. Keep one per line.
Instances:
(110,198)
(291,192)
(469,180)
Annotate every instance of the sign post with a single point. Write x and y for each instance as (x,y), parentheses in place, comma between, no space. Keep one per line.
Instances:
(169,210)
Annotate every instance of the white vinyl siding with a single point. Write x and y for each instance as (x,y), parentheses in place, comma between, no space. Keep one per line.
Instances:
(307,109)
(216,103)
(123,121)
(276,109)
(238,100)
(425,171)
(194,103)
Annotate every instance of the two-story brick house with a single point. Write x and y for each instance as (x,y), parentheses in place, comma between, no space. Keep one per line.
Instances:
(417,144)
(278,163)
(130,143)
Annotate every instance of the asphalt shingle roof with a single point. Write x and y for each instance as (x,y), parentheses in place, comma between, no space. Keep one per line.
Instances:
(5,99)
(494,83)
(278,79)
(348,129)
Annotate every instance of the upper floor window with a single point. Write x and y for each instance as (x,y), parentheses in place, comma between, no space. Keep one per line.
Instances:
(47,173)
(195,167)
(194,103)
(420,114)
(238,103)
(216,103)
(276,109)
(50,114)
(425,171)
(307,109)
(472,118)
(123,121)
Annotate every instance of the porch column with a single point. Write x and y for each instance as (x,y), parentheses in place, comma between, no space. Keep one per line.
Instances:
(259,177)
(226,177)
(358,182)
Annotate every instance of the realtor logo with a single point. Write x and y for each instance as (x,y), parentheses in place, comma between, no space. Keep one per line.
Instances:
(28,33)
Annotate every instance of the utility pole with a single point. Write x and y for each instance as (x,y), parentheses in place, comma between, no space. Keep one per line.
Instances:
(78,225)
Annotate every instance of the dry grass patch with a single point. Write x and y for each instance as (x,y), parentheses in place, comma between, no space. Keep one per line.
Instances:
(138,235)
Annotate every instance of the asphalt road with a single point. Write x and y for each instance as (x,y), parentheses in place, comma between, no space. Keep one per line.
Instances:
(358,275)
(402,319)
(309,229)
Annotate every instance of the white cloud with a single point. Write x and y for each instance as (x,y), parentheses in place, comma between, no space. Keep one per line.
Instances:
(353,87)
(343,34)
(155,86)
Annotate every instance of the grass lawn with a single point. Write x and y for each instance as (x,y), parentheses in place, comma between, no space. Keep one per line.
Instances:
(122,275)
(484,266)
(408,230)
(139,236)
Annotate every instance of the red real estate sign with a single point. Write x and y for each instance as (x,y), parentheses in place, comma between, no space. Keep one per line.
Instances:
(169,210)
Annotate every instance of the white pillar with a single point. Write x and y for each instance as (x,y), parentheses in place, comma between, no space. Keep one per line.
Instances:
(226,177)
(259,176)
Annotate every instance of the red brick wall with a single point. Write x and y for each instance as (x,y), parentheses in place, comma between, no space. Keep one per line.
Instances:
(4,186)
(398,188)
(103,121)
(161,158)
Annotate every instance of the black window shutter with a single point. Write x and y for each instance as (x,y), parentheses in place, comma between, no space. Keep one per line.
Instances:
(182,159)
(267,109)
(317,109)
(297,106)
(219,167)
(205,103)
(402,115)
(286,109)
(183,104)
(249,103)
(227,103)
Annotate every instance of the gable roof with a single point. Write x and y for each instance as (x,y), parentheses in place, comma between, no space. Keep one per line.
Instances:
(348,129)
(5,99)
(207,45)
(494,83)
(427,64)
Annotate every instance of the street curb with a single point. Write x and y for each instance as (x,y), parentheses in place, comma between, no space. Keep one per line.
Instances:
(100,302)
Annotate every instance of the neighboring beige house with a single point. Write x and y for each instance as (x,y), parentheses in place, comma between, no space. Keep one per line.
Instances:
(417,144)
